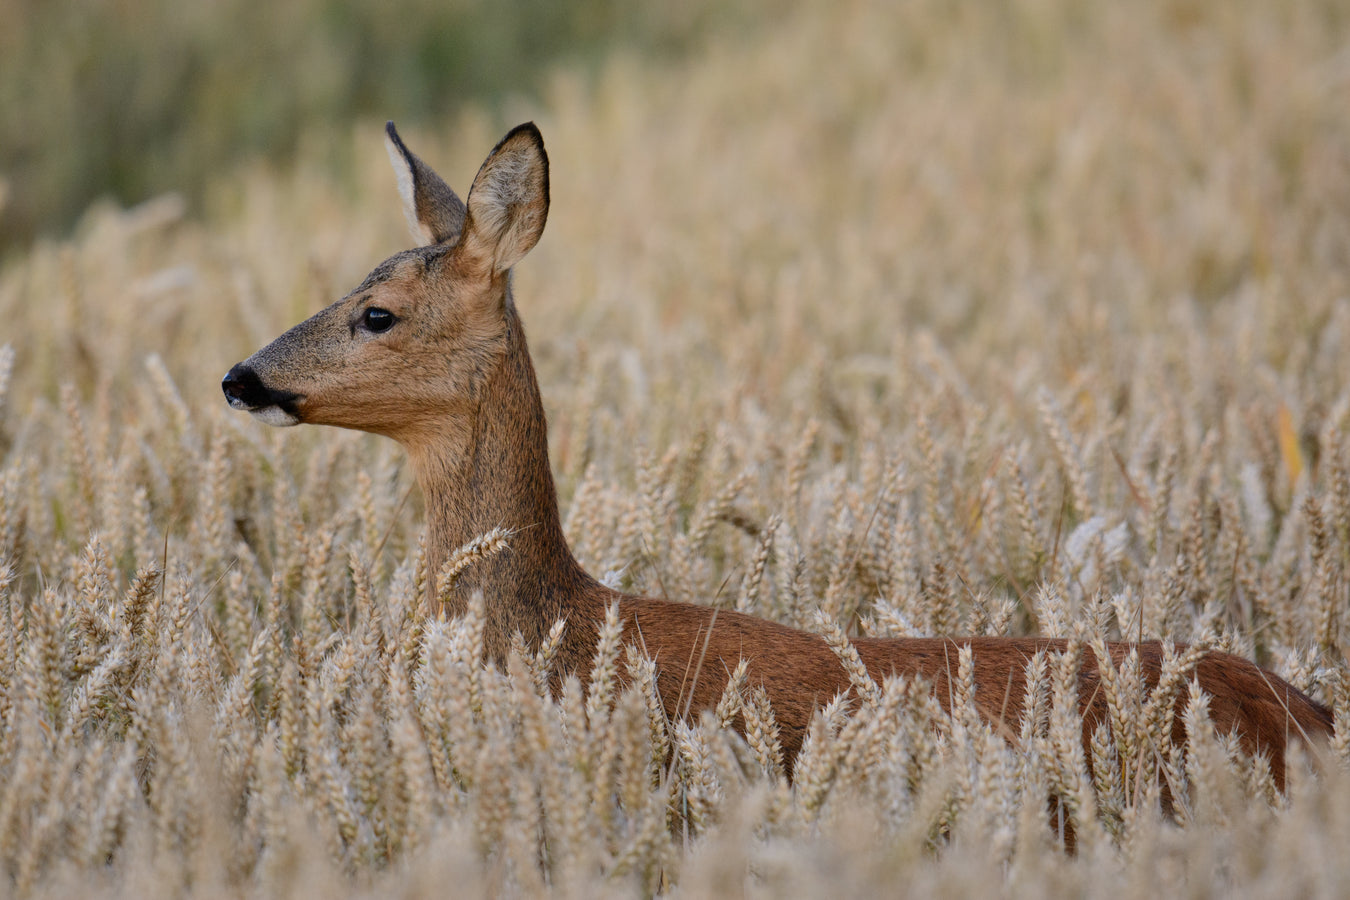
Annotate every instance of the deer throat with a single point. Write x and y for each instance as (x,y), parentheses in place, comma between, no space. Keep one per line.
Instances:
(493,472)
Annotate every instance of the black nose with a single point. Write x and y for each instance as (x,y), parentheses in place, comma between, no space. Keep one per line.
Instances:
(244,389)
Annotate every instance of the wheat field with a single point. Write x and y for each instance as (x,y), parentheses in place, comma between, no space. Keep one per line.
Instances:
(875,319)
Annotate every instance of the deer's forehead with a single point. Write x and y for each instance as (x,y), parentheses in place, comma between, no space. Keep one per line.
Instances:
(432,282)
(406,266)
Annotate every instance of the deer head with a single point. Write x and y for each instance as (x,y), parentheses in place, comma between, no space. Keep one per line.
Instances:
(406,353)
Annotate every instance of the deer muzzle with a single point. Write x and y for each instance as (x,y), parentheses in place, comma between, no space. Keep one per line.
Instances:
(245,390)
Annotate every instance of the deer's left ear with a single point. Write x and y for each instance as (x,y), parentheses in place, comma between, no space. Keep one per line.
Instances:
(435,215)
(508,203)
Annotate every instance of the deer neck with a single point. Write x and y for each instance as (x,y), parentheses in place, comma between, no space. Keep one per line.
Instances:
(489,468)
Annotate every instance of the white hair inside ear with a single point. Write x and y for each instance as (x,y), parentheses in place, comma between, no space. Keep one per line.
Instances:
(407,190)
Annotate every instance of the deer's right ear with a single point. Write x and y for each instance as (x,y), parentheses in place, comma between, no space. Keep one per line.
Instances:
(508,202)
(435,214)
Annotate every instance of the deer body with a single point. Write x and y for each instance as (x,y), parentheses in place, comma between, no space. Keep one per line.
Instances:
(430,350)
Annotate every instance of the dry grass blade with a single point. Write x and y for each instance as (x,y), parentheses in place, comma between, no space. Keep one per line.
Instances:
(480,548)
(6,368)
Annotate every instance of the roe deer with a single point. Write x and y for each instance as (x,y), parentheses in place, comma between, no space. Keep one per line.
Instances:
(429,350)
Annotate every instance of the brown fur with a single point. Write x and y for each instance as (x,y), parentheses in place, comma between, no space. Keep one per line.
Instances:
(454,383)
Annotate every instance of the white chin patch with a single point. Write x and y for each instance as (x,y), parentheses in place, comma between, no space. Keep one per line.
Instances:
(274,415)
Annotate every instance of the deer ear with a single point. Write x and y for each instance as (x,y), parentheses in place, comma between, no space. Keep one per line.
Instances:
(435,214)
(508,203)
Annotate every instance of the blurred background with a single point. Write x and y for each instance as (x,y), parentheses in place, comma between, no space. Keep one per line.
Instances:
(787,185)
(131,98)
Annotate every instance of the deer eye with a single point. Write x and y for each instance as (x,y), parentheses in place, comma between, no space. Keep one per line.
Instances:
(376,319)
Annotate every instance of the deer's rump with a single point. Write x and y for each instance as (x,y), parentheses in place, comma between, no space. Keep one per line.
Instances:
(1262,709)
